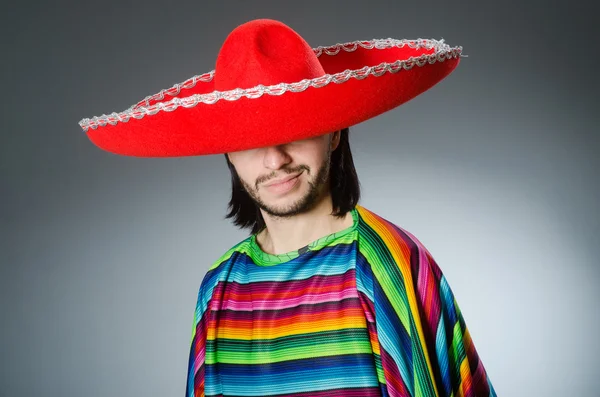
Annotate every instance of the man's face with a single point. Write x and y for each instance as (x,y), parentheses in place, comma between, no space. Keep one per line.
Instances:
(307,161)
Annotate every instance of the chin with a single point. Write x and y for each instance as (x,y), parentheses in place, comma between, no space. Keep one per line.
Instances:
(287,199)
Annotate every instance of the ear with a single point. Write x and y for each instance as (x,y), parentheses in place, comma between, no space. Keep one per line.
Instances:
(335,139)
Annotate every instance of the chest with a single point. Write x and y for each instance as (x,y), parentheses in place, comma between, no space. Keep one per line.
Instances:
(268,309)
(298,334)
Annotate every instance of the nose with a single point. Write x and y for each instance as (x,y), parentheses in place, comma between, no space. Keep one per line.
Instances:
(276,157)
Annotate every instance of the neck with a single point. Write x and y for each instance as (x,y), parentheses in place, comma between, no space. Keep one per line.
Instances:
(283,235)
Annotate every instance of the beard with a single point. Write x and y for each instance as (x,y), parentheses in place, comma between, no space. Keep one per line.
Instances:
(317,184)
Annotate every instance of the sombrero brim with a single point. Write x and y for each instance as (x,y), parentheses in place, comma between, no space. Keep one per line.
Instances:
(363,79)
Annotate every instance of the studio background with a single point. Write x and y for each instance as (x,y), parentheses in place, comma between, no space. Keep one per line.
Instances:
(495,170)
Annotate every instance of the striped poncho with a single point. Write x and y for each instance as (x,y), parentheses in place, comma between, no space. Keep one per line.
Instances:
(362,312)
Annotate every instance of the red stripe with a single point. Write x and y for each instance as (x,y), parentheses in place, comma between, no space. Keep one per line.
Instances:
(277,290)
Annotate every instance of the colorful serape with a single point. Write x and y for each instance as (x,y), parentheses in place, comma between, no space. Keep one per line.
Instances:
(362,312)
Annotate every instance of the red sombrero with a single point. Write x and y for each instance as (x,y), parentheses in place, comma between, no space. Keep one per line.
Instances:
(270,87)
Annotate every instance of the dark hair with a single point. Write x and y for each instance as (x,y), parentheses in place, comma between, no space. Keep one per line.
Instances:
(344,187)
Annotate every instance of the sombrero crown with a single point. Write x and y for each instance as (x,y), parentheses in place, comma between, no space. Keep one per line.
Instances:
(270,87)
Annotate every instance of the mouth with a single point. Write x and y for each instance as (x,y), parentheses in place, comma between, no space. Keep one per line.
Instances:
(284,185)
(283,180)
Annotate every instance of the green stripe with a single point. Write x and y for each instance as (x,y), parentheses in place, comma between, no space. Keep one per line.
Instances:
(386,272)
(294,353)
(357,335)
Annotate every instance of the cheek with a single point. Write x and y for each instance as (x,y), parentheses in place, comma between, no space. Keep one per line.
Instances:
(249,176)
(244,166)
(317,161)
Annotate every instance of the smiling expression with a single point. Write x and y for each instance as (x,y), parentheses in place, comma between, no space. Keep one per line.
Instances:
(303,166)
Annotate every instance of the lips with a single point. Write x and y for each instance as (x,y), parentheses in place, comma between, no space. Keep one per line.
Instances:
(287,178)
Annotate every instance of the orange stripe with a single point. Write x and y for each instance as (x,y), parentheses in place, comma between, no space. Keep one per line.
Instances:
(374,342)
(232,331)
(300,318)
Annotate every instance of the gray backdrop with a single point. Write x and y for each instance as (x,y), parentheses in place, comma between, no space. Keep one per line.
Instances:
(494,170)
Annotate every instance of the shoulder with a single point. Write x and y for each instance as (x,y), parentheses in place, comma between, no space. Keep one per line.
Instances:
(219,269)
(240,247)
(377,232)
(389,251)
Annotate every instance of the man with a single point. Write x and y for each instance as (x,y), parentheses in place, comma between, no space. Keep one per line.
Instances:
(324,297)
